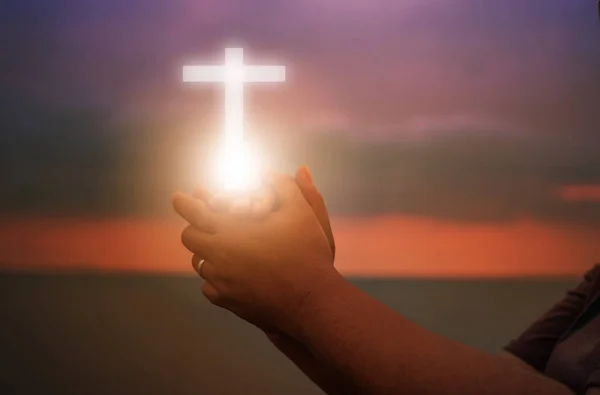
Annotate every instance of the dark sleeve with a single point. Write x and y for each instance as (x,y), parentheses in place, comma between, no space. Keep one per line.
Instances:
(593,380)
(535,345)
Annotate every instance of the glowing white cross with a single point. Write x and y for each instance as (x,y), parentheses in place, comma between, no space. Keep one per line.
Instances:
(234,74)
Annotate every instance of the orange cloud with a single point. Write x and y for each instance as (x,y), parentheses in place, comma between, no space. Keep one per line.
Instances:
(580,193)
(414,246)
(383,246)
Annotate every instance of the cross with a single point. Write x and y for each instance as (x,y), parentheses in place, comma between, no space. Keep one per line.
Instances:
(234,74)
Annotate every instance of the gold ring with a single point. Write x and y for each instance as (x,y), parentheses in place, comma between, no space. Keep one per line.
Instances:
(199,266)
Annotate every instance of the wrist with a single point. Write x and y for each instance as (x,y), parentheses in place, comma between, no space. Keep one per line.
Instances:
(327,287)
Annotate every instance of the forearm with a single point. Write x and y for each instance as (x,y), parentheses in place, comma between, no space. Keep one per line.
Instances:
(381,352)
(320,374)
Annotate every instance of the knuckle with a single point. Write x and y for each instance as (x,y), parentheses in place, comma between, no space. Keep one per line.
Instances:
(195,260)
(198,212)
(212,294)
(209,271)
(217,246)
(186,235)
(209,291)
(188,239)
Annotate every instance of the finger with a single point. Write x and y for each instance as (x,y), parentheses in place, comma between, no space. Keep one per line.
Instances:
(284,188)
(198,242)
(260,193)
(262,202)
(197,262)
(262,208)
(209,271)
(211,293)
(315,200)
(195,212)
(265,174)
(220,202)
(205,269)
(201,193)
(241,207)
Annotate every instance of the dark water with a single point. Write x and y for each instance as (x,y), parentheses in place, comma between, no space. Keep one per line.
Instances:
(94,334)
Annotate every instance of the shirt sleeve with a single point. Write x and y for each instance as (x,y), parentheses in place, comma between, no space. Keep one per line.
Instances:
(535,345)
(593,380)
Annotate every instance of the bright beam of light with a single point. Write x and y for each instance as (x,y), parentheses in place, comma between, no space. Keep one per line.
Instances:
(239,168)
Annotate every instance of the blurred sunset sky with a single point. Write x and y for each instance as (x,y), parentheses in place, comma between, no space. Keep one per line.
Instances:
(449,138)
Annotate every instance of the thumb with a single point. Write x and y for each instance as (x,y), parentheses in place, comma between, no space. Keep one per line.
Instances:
(201,193)
(316,202)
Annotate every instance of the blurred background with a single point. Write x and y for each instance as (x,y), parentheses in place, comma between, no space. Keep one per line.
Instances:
(455,142)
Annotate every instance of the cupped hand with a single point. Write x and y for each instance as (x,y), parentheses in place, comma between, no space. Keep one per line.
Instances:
(261,202)
(263,271)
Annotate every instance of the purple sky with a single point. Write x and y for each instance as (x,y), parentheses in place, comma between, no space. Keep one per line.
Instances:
(491,106)
(389,67)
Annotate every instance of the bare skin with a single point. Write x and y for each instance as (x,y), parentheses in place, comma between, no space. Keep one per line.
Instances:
(256,207)
(277,273)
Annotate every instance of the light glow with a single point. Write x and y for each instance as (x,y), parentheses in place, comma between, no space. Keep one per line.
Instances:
(239,168)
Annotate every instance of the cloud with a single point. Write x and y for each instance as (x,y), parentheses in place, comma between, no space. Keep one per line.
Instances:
(89,164)
(382,246)
(580,193)
(465,176)
(532,63)
(474,111)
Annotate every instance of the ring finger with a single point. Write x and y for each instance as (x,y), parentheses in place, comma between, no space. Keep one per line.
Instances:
(198,263)
(205,269)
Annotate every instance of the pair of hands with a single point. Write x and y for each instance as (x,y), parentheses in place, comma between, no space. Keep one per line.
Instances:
(263,257)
